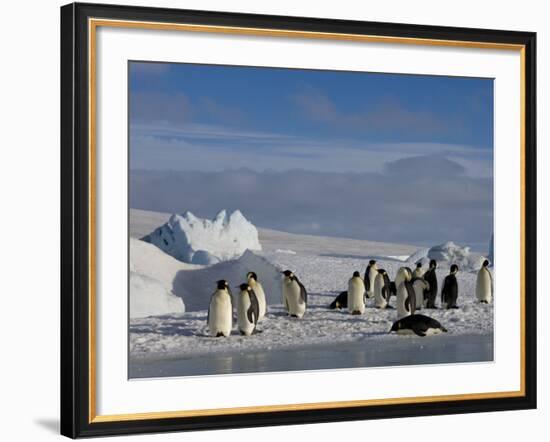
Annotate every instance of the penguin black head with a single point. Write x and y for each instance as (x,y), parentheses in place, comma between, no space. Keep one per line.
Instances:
(244,287)
(433,264)
(418,265)
(454,268)
(372,262)
(252,275)
(382,271)
(485,263)
(356,275)
(395,326)
(222,284)
(287,273)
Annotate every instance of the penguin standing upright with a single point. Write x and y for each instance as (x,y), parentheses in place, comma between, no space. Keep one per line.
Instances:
(406,298)
(417,271)
(259,291)
(484,284)
(370,274)
(220,310)
(294,295)
(382,290)
(356,294)
(419,286)
(430,277)
(403,273)
(248,310)
(449,293)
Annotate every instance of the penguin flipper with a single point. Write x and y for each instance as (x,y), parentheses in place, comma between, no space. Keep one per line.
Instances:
(367,279)
(254,310)
(303,291)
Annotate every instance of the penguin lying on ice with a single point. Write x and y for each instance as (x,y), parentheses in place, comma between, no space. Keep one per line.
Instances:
(341,301)
(420,325)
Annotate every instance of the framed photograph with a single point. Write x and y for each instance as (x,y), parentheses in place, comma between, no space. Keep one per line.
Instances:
(274,220)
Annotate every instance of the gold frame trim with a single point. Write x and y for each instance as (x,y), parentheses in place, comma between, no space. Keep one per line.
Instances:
(93,24)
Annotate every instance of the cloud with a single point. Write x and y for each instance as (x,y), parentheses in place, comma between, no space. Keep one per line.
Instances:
(435,166)
(384,115)
(388,206)
(208,147)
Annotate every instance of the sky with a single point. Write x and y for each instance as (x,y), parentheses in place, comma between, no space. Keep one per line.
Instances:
(377,156)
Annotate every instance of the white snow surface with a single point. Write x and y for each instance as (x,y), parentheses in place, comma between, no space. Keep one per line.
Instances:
(324,265)
(202,241)
(151,275)
(324,277)
(194,284)
(148,297)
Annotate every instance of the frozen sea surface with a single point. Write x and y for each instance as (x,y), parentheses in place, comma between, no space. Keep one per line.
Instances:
(405,350)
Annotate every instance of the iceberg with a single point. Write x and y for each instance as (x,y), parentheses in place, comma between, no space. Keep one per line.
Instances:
(206,242)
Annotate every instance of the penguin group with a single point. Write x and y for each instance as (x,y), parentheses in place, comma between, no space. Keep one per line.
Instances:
(413,291)
(251,304)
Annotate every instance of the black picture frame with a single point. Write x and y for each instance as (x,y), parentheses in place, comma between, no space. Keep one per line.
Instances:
(75,221)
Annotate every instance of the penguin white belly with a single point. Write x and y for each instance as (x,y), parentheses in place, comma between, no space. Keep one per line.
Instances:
(402,295)
(245,326)
(373,272)
(484,286)
(291,294)
(417,273)
(429,332)
(260,294)
(400,277)
(419,294)
(356,296)
(379,300)
(221,315)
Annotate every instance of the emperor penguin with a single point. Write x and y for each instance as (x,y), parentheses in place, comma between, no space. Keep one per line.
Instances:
(419,286)
(294,295)
(417,273)
(418,324)
(382,289)
(370,274)
(220,310)
(430,277)
(341,301)
(402,274)
(356,294)
(406,298)
(484,284)
(259,291)
(248,310)
(449,293)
